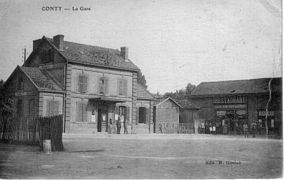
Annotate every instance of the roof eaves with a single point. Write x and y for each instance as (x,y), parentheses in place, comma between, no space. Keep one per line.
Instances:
(169,98)
(29,78)
(102,66)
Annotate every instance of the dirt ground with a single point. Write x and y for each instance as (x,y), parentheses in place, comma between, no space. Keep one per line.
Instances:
(146,156)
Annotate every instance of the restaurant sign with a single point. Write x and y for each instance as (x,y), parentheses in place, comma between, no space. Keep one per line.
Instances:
(230,100)
(230,106)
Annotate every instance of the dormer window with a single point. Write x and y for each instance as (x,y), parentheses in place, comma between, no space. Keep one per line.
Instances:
(20,84)
(103,85)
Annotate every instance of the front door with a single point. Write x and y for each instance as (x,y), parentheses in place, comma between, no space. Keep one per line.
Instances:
(102,120)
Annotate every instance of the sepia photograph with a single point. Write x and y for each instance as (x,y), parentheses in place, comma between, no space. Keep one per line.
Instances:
(141,89)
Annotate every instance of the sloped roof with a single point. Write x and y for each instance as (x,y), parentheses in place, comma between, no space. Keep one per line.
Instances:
(171,99)
(142,93)
(187,104)
(41,78)
(250,86)
(94,55)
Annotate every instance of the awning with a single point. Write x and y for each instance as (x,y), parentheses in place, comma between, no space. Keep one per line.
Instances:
(106,99)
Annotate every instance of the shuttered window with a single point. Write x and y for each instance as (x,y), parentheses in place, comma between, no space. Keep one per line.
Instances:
(82,83)
(103,85)
(81,112)
(122,87)
(52,108)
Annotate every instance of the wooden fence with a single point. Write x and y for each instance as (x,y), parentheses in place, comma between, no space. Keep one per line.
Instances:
(34,131)
(51,128)
(21,130)
(181,128)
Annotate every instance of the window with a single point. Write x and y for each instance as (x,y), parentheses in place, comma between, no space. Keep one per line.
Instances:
(20,84)
(19,107)
(52,108)
(122,87)
(103,85)
(143,115)
(81,112)
(82,83)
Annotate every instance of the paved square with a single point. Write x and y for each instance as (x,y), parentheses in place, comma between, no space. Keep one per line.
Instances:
(147,156)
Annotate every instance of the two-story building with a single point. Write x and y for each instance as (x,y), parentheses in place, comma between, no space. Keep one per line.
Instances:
(91,86)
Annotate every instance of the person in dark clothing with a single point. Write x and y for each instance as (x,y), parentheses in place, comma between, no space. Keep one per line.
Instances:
(118,124)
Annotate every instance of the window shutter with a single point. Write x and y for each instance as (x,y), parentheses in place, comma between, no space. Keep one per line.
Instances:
(80,83)
(84,112)
(85,89)
(78,111)
(118,86)
(125,87)
(106,86)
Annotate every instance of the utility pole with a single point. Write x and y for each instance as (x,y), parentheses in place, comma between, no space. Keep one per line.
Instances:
(267,106)
(24,54)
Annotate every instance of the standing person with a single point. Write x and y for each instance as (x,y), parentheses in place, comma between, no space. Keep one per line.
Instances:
(214,129)
(110,126)
(245,129)
(125,126)
(118,124)
(253,129)
(210,128)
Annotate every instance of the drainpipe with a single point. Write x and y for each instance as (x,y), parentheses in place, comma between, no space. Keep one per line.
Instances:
(266,109)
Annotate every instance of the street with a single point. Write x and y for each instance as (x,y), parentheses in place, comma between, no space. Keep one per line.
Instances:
(147,156)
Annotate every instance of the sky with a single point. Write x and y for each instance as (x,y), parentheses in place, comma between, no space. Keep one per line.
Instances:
(173,42)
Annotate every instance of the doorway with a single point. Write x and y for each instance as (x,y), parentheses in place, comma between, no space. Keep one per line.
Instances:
(102,120)
(142,115)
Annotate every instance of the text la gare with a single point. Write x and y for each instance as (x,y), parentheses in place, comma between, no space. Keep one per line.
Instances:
(80,8)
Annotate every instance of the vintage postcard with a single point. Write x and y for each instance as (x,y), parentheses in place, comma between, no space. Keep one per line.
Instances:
(132,89)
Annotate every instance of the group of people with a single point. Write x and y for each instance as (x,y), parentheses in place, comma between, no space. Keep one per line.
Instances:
(116,126)
(211,127)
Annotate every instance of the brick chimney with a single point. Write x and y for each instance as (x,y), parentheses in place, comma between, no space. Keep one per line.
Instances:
(58,41)
(124,52)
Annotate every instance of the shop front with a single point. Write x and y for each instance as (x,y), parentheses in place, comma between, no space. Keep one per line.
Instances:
(231,113)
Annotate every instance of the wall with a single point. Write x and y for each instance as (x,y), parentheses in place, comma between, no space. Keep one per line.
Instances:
(94,74)
(167,113)
(73,95)
(44,97)
(148,127)
(28,94)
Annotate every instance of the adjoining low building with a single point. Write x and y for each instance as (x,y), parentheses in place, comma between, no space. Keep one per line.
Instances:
(230,104)
(166,116)
(145,104)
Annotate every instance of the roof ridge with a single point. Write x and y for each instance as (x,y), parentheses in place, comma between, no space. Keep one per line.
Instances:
(50,39)
(239,80)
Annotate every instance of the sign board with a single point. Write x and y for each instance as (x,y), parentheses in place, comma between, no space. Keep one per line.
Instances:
(263,113)
(230,106)
(230,100)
